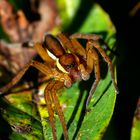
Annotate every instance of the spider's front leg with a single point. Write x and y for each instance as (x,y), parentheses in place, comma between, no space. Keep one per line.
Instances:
(51,98)
(40,66)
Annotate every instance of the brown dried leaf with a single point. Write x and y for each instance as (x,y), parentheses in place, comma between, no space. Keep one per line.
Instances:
(13,56)
(20,29)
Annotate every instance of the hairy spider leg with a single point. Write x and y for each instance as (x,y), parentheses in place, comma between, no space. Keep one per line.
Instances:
(95,38)
(48,99)
(51,97)
(41,67)
(72,45)
(58,85)
(108,61)
(92,63)
(85,36)
(43,53)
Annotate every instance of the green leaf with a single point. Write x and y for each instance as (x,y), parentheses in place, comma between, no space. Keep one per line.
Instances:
(30,121)
(67,10)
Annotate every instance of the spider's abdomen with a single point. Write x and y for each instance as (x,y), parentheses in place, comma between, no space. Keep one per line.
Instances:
(53,45)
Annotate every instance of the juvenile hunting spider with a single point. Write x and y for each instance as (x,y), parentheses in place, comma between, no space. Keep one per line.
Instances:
(65,62)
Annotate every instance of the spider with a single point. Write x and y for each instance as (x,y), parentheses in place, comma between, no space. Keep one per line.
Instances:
(65,62)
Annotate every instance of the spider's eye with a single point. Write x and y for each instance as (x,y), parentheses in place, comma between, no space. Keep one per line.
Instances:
(70,66)
(68,62)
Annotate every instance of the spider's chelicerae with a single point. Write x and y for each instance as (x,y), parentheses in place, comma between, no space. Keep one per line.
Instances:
(65,62)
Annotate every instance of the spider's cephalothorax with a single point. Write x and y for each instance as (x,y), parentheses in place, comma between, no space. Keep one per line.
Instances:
(65,62)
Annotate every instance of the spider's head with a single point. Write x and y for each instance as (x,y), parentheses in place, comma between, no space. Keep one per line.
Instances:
(70,63)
